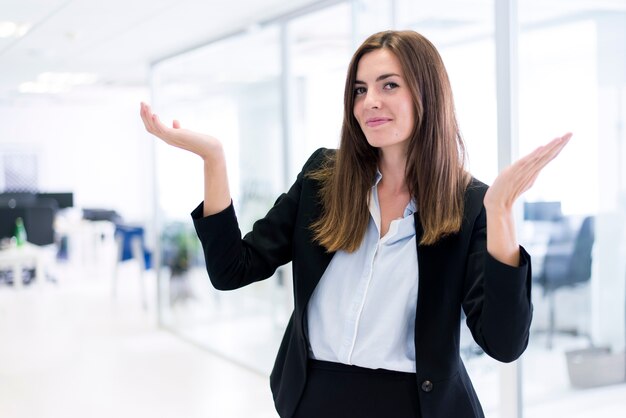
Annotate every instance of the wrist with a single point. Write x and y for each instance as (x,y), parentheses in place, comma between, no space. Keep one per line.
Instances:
(499,210)
(212,153)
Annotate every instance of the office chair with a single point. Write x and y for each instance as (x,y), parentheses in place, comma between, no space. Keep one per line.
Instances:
(567,263)
(39,222)
(131,245)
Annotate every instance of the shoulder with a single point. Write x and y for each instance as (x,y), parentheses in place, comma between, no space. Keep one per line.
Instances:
(318,159)
(474,196)
(476,189)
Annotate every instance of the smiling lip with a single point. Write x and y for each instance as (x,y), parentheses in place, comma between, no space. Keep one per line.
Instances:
(373,122)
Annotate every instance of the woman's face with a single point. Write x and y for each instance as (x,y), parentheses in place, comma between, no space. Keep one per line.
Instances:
(383,105)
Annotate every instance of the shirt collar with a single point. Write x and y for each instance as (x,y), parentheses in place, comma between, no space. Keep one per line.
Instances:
(377,178)
(410,209)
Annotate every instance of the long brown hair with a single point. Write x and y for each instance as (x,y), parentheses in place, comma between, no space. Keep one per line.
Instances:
(435,172)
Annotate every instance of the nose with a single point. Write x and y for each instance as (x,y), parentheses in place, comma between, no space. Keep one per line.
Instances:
(372,100)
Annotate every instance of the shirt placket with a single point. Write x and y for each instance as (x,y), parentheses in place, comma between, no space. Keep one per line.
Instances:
(356,308)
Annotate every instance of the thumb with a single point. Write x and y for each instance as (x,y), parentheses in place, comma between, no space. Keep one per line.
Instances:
(176,124)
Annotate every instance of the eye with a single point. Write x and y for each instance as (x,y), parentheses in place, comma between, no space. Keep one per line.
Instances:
(359,91)
(390,86)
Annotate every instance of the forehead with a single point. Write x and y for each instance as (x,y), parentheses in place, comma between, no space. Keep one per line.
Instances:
(378,62)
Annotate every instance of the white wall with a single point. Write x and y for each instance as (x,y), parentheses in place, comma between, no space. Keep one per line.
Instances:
(91,143)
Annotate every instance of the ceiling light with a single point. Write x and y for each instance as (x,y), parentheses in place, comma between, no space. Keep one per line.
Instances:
(7,29)
(22,29)
(13,29)
(57,82)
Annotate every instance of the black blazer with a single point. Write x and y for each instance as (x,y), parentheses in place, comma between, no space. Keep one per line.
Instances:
(456,271)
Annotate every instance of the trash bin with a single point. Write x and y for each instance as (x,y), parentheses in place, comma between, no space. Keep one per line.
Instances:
(595,366)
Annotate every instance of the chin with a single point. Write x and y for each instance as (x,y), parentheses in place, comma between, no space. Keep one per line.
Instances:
(381,143)
(376,142)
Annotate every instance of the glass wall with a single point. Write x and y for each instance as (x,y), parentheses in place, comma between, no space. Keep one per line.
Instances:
(274,94)
(463,33)
(573,78)
(230,90)
(320,50)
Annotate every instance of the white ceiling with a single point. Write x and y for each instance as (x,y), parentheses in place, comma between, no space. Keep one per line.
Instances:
(117,39)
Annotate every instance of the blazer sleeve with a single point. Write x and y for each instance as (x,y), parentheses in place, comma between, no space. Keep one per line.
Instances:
(233,262)
(497,298)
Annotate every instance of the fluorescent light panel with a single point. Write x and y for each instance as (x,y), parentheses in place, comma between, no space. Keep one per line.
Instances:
(13,29)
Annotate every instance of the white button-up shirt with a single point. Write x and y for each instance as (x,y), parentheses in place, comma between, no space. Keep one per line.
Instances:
(362,311)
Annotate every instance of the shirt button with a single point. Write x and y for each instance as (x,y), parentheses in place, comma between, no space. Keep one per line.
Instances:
(427,386)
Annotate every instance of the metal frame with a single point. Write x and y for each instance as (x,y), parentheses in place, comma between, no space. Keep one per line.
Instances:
(506,38)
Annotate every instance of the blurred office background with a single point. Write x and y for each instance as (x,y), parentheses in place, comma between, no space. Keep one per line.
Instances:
(107,309)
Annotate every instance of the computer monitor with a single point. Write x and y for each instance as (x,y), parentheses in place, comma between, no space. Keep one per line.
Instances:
(7,220)
(542,211)
(64,200)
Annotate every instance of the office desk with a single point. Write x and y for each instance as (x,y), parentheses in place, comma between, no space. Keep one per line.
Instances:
(17,258)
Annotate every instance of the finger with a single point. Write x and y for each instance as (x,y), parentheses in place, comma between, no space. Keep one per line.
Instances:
(142,111)
(554,144)
(522,174)
(176,124)
(526,181)
(160,128)
(527,177)
(146,117)
(557,144)
(547,153)
(542,155)
(552,150)
(526,170)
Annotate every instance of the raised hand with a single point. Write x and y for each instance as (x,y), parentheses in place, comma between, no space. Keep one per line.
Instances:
(507,187)
(521,175)
(203,145)
(216,191)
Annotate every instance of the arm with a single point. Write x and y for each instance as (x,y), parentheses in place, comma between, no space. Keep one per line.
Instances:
(497,297)
(216,191)
(498,279)
(233,262)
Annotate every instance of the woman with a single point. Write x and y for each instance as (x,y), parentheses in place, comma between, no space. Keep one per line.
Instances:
(388,238)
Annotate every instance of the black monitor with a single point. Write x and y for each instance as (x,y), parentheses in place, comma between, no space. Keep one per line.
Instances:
(7,220)
(542,211)
(38,222)
(64,200)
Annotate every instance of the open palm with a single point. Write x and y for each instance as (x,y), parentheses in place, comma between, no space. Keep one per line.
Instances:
(195,142)
(520,176)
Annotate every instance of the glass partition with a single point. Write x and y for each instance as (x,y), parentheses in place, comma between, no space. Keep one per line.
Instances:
(463,33)
(573,78)
(320,50)
(231,90)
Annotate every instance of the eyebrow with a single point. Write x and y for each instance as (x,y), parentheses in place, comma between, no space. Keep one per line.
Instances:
(379,78)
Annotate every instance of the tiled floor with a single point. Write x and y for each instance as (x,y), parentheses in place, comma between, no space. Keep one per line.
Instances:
(69,350)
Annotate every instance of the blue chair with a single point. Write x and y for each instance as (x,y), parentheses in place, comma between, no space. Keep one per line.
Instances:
(130,241)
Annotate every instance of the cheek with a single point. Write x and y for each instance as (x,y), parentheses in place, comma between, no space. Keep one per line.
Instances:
(409,118)
(356,112)
(356,109)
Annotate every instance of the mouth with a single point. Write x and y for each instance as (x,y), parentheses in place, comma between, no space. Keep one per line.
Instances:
(373,122)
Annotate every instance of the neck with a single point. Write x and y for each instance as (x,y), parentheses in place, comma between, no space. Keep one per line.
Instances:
(392,165)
